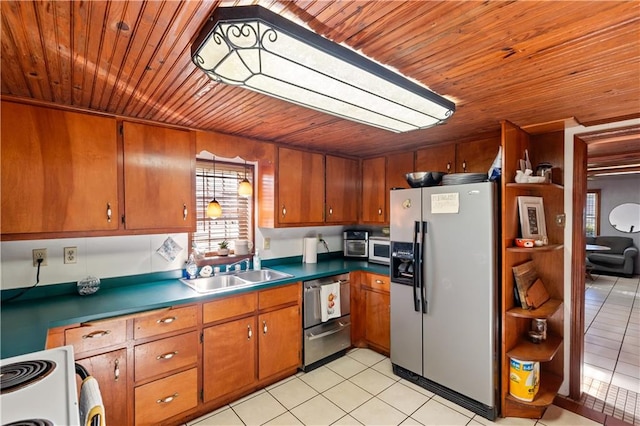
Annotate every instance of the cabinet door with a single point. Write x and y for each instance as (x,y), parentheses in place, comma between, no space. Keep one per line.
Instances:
(398,165)
(110,370)
(300,187)
(341,191)
(280,341)
(441,158)
(59,171)
(476,156)
(373,190)
(159,178)
(377,319)
(229,357)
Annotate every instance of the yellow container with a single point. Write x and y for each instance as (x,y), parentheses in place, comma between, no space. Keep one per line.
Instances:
(524,379)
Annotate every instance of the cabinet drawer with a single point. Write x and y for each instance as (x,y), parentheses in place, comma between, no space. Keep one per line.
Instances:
(164,321)
(229,307)
(165,355)
(157,401)
(279,296)
(96,335)
(379,282)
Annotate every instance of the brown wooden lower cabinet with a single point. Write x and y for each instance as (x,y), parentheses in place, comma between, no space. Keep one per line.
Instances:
(165,398)
(110,370)
(280,341)
(174,364)
(370,314)
(377,320)
(229,357)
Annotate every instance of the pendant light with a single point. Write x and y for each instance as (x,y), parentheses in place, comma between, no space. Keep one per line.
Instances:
(245,189)
(214,210)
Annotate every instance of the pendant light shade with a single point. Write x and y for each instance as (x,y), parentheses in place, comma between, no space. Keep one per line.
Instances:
(254,48)
(214,210)
(245,189)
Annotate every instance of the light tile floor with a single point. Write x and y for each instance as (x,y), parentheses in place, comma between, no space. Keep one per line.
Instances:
(359,389)
(611,370)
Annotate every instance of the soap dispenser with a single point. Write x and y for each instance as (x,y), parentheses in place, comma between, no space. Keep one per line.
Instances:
(192,267)
(257,262)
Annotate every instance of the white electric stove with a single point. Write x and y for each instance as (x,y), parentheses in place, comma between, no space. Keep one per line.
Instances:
(39,388)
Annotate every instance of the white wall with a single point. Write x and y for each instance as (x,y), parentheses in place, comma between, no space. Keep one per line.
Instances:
(106,257)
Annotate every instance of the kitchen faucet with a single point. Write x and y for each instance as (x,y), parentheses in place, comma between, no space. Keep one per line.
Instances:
(229,268)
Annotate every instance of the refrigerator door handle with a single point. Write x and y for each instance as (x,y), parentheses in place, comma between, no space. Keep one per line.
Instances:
(423,282)
(416,278)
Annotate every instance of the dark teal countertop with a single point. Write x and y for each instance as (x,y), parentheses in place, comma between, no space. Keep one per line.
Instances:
(24,324)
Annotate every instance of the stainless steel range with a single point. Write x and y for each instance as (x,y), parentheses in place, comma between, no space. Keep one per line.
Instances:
(327,319)
(39,388)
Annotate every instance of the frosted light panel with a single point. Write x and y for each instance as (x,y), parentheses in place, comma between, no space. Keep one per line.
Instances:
(263,58)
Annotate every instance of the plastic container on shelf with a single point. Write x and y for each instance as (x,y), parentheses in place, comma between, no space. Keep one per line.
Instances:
(524,379)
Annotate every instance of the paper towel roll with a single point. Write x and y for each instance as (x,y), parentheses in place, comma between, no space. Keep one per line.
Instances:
(310,250)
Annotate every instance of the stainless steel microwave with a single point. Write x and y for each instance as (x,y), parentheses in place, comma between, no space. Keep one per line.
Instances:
(356,244)
(379,250)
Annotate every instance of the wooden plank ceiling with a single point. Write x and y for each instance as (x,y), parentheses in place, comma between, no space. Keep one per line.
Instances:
(528,62)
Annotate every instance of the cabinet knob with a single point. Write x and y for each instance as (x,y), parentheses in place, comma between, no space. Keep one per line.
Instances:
(379,211)
(379,282)
(449,167)
(167,399)
(167,320)
(184,212)
(284,211)
(330,211)
(116,370)
(168,355)
(249,332)
(464,166)
(109,213)
(95,334)
(264,327)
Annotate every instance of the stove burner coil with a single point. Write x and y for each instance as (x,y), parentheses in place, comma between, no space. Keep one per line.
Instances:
(31,422)
(20,374)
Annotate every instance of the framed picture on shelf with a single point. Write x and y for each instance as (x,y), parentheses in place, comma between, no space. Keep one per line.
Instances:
(532,220)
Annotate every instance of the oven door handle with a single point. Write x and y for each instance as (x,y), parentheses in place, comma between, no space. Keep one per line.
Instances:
(312,336)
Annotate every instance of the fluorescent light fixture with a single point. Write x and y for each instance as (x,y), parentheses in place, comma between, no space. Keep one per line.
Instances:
(252,47)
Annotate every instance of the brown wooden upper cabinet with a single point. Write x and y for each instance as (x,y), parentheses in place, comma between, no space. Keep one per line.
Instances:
(476,156)
(464,157)
(159,178)
(59,171)
(341,190)
(379,175)
(300,187)
(439,158)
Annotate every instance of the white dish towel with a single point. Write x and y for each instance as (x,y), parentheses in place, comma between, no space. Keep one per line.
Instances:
(330,301)
(91,402)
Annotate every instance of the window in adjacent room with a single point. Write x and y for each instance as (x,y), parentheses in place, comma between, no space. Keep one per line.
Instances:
(592,213)
(236,222)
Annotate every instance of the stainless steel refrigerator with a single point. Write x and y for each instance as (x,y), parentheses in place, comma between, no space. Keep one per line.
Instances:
(444,292)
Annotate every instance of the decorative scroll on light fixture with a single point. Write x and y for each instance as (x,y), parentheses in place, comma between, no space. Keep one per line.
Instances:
(245,189)
(252,47)
(214,210)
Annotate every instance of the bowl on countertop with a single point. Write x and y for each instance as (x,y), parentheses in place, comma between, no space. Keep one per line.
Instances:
(423,179)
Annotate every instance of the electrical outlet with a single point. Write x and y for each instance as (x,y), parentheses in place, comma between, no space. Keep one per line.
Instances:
(266,243)
(40,254)
(70,255)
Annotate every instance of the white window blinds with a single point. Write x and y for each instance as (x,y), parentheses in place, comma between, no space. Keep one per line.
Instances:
(236,222)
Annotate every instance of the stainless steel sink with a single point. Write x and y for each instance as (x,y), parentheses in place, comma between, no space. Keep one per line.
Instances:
(215,283)
(262,275)
(223,282)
